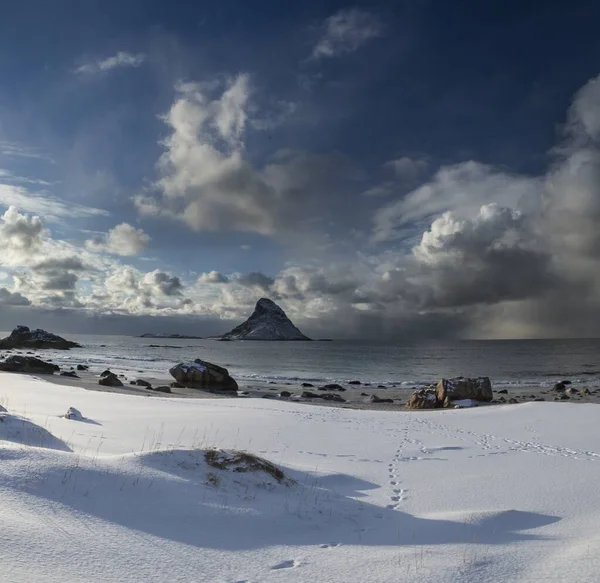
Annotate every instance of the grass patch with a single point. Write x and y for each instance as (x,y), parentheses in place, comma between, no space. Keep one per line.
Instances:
(241,462)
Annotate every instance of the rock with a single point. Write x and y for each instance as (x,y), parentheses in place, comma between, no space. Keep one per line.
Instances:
(585,391)
(74,414)
(132,382)
(309,395)
(572,391)
(285,394)
(381,387)
(559,387)
(539,399)
(307,385)
(376,399)
(110,380)
(82,367)
(364,394)
(503,392)
(422,399)
(23,337)
(267,322)
(478,389)
(268,397)
(27,364)
(333,397)
(161,389)
(176,385)
(564,397)
(70,373)
(354,382)
(201,374)
(106,372)
(332,387)
(566,382)
(143,383)
(513,401)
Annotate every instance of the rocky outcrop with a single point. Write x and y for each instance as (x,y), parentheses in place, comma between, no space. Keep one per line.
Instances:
(267,322)
(110,380)
(449,391)
(23,337)
(478,389)
(205,375)
(27,364)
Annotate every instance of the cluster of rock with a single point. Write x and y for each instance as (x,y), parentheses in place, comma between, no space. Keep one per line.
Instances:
(27,364)
(448,391)
(23,337)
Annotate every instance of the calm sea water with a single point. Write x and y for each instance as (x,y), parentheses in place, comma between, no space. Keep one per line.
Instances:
(520,362)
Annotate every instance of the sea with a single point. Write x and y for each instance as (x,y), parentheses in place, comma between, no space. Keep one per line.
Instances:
(517,363)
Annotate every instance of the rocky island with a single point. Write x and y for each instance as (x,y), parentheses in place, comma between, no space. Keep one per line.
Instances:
(267,322)
(23,337)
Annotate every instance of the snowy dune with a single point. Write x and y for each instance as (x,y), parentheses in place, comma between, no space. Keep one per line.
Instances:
(480,495)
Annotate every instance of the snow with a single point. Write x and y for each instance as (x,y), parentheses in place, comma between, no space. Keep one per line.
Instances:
(464,403)
(489,494)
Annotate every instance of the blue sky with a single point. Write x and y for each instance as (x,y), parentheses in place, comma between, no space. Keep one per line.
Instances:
(374,167)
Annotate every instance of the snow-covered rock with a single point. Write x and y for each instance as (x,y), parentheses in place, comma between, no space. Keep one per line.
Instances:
(74,414)
(201,374)
(23,337)
(267,322)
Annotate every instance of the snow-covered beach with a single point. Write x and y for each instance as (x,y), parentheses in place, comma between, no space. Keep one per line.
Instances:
(489,494)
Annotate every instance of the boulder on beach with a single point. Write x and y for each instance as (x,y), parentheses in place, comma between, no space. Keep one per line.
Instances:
(110,380)
(82,367)
(422,399)
(23,337)
(201,374)
(376,399)
(332,387)
(161,389)
(27,364)
(333,397)
(478,389)
(69,373)
(143,383)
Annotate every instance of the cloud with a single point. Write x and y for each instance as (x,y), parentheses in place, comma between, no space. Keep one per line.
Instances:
(121,59)
(213,277)
(206,182)
(161,283)
(8,298)
(462,188)
(346,31)
(407,169)
(255,280)
(124,239)
(44,204)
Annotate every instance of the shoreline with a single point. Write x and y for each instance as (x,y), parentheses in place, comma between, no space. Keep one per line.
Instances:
(355,396)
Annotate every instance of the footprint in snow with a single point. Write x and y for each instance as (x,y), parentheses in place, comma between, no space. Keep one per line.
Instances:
(289,564)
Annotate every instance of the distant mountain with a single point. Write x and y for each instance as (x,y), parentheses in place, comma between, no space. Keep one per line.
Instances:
(183,336)
(267,322)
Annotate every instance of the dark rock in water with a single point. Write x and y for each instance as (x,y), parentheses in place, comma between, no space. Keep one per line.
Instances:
(503,392)
(105,373)
(364,395)
(82,367)
(70,373)
(367,384)
(162,389)
(566,382)
(267,322)
(381,387)
(23,337)
(332,387)
(143,383)
(478,389)
(376,399)
(559,387)
(74,414)
(333,397)
(354,382)
(110,380)
(27,364)
(307,385)
(176,385)
(201,374)
(285,394)
(309,395)
(132,382)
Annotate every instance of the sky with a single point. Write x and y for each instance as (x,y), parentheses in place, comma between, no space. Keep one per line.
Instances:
(398,170)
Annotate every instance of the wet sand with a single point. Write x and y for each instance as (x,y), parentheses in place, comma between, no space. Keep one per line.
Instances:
(355,396)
